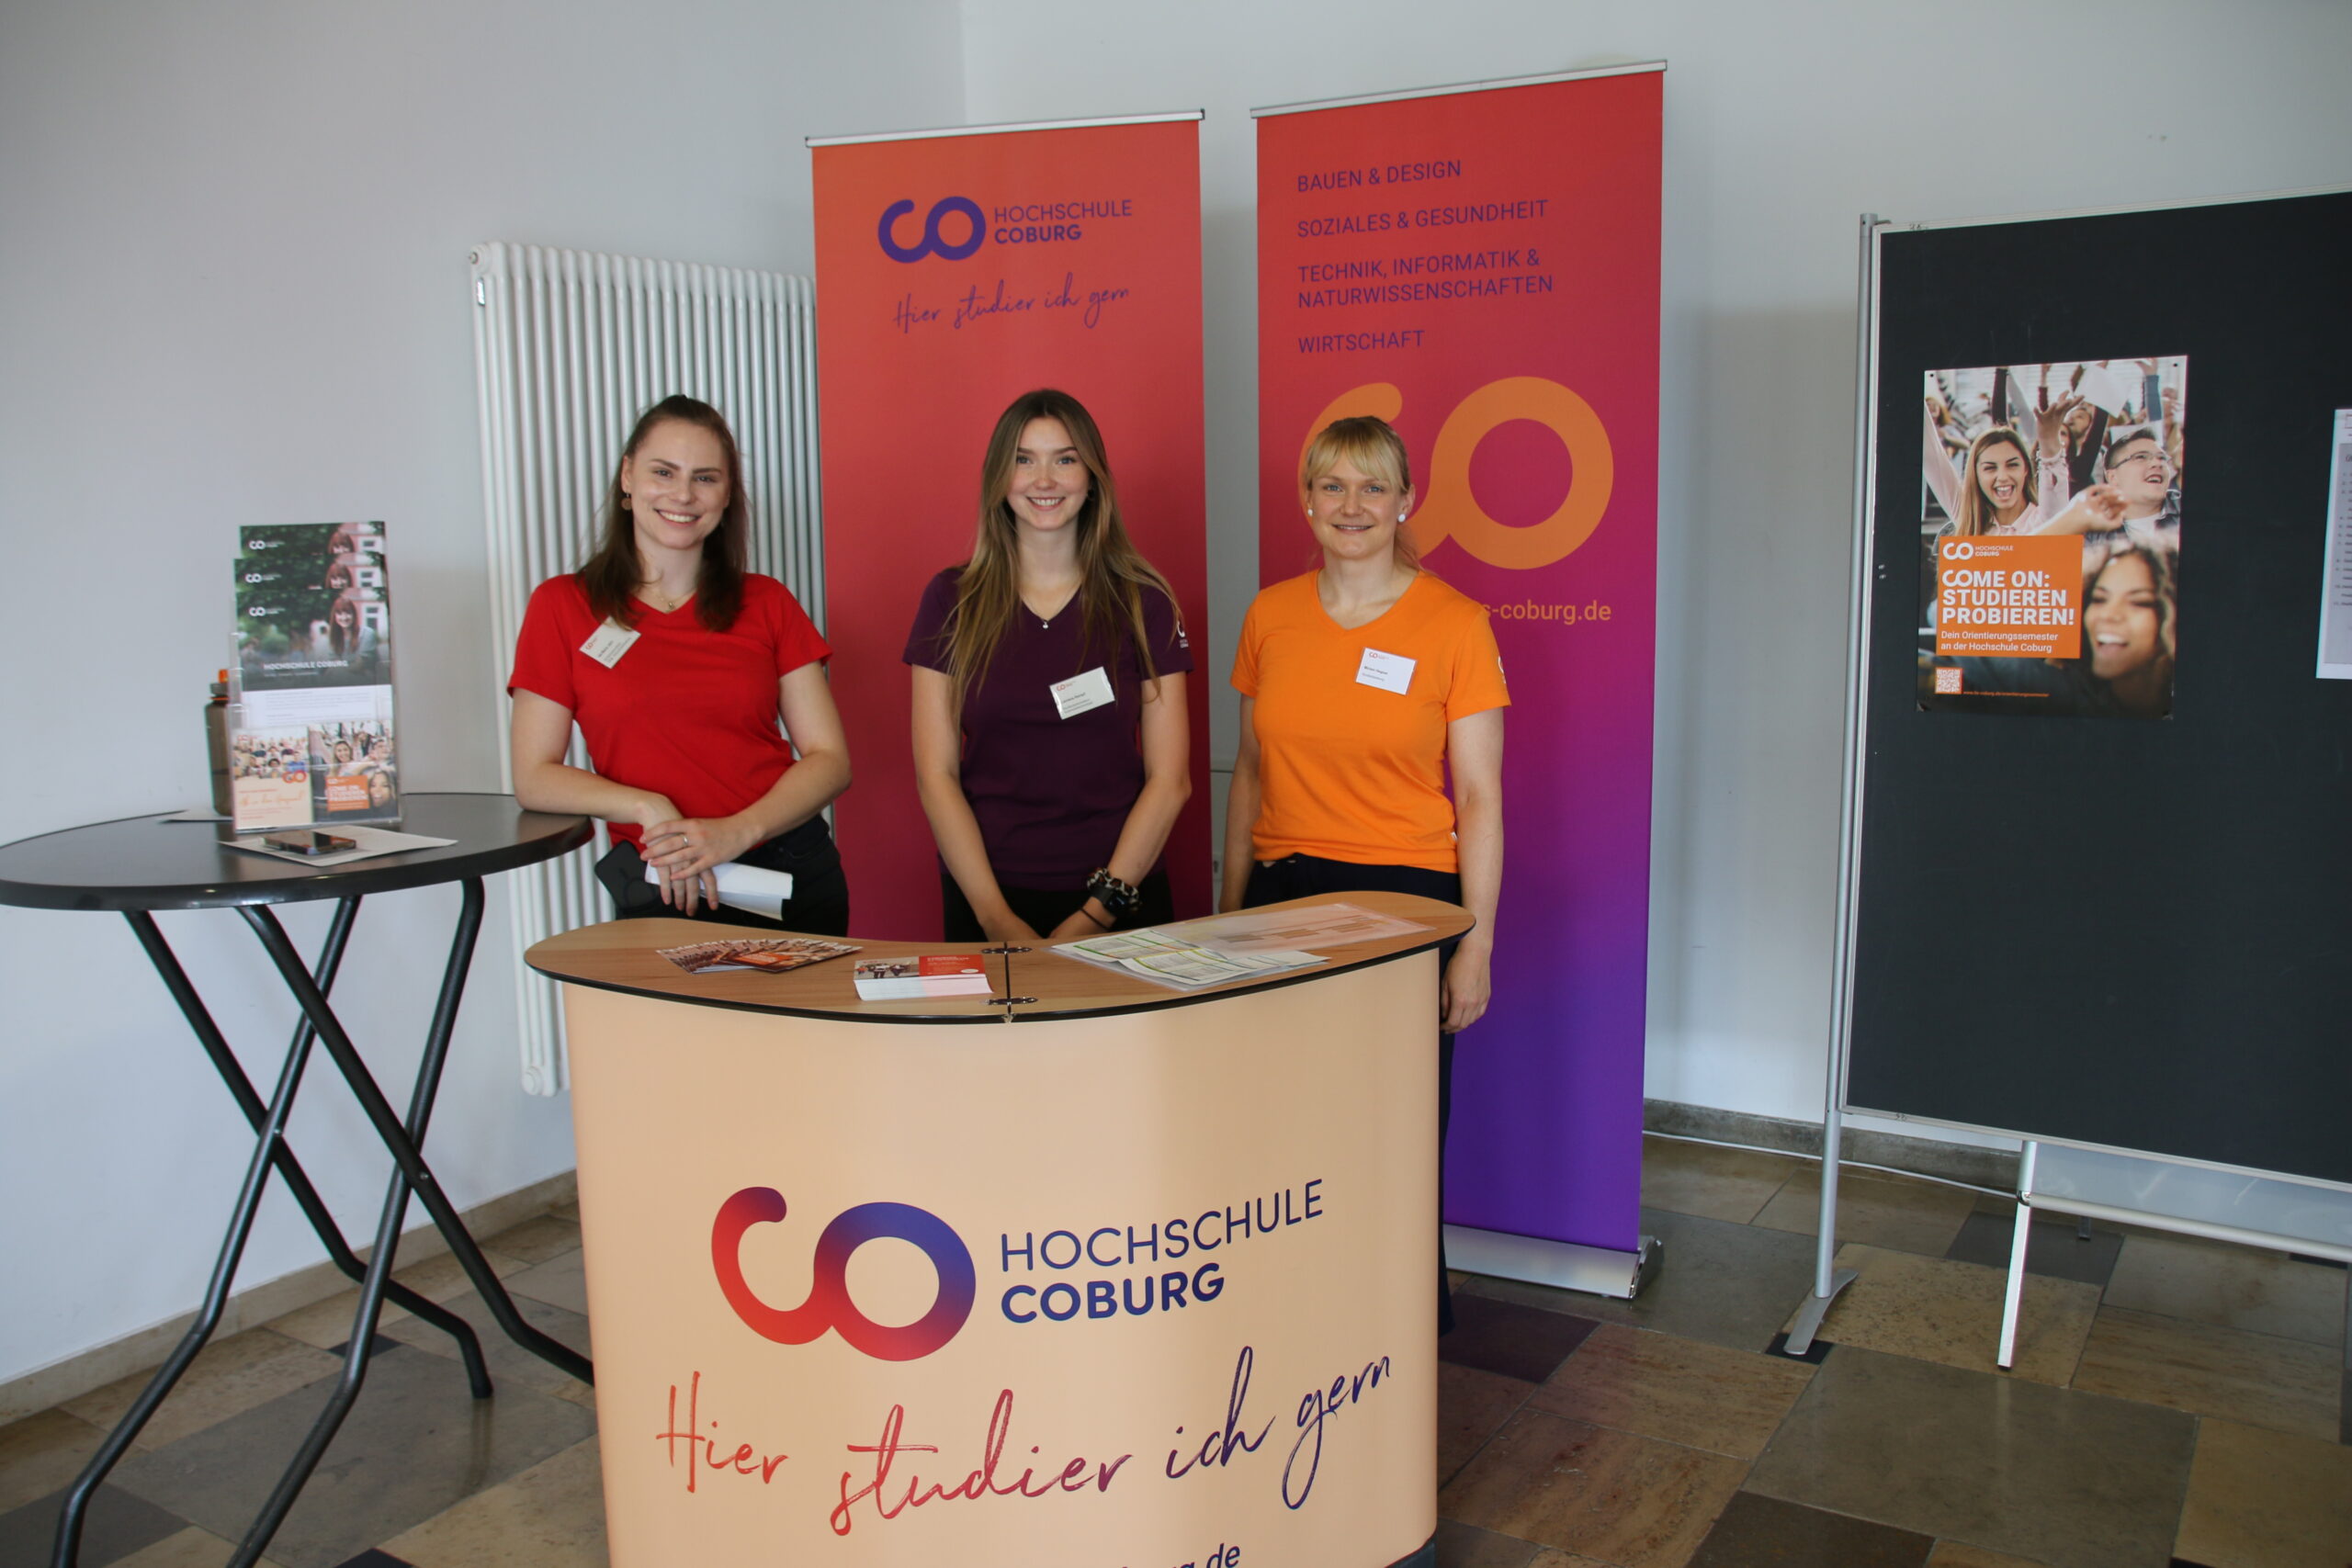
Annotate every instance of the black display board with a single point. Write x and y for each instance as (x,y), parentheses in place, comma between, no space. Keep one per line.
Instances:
(2125,931)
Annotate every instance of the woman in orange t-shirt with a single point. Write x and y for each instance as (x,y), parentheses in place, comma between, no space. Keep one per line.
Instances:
(1363,684)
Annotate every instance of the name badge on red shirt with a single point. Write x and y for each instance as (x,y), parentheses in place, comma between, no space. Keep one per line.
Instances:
(611,640)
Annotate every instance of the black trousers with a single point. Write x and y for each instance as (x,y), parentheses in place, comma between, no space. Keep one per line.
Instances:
(1043,908)
(1305,876)
(819,901)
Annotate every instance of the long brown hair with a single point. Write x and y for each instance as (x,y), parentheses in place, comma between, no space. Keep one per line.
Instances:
(1371,448)
(613,574)
(1113,574)
(1976,514)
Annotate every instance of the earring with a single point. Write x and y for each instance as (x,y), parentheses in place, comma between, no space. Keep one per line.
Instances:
(624,501)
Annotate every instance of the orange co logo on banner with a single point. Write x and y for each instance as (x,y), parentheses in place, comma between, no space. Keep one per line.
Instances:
(1448,509)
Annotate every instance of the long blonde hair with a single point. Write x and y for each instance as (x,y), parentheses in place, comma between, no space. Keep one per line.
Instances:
(1113,574)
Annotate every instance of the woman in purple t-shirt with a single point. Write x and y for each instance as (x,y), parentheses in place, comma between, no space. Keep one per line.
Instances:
(1050,739)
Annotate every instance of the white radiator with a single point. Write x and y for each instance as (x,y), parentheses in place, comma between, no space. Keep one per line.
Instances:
(570,348)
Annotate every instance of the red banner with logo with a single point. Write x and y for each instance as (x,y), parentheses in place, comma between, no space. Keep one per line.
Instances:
(1480,269)
(955,273)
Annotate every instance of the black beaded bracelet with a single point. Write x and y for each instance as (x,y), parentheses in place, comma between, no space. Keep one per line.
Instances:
(1117,897)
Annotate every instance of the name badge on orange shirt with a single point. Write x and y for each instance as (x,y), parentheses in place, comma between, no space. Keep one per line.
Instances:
(1389,671)
(611,640)
(1082,694)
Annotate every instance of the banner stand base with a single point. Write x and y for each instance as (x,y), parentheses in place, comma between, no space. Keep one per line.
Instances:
(1564,1265)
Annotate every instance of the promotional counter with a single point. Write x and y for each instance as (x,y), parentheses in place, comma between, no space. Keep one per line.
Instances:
(1091,1273)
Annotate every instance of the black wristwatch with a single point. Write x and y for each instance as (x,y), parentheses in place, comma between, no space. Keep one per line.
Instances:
(1118,898)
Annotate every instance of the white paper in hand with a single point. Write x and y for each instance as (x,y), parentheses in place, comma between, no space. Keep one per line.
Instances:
(750,888)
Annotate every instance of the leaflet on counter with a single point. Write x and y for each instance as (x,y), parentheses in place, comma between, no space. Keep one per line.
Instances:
(1163,960)
(927,975)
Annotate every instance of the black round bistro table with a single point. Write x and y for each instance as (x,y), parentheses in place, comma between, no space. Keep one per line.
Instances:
(140,864)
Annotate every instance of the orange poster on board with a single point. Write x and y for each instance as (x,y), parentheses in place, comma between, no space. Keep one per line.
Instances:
(2050,526)
(2009,598)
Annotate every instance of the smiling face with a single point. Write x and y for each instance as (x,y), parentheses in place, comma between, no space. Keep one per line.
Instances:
(2140,474)
(2122,618)
(2001,478)
(1049,482)
(1355,514)
(676,485)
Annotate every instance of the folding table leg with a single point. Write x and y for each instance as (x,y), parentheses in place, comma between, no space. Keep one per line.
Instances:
(410,1171)
(216,1296)
(288,1169)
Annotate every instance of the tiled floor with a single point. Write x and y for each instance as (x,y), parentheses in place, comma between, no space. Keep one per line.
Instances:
(2174,1403)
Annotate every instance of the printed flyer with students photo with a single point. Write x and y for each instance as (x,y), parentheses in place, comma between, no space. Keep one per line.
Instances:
(2050,538)
(310,716)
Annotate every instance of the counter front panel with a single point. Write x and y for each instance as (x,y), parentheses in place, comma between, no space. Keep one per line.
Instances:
(1127,1289)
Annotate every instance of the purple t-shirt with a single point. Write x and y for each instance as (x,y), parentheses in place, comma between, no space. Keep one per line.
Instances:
(1050,793)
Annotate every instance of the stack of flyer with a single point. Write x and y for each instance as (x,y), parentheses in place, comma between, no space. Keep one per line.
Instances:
(914,979)
(776,954)
(312,741)
(1161,958)
(1235,947)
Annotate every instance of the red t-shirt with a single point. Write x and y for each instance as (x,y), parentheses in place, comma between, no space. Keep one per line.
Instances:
(688,712)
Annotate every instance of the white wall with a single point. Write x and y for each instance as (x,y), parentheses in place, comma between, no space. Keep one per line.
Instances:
(232,287)
(233,247)
(1784,123)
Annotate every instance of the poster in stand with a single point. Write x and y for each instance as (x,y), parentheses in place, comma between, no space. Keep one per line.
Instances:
(2050,533)
(955,272)
(311,740)
(1479,268)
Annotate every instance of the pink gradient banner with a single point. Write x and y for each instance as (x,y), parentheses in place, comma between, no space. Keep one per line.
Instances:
(1481,269)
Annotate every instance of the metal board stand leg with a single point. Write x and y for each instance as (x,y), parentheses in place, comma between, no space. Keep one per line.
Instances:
(1827,1278)
(2343,1409)
(2013,1296)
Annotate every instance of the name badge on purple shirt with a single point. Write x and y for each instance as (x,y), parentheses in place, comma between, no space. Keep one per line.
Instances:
(1082,694)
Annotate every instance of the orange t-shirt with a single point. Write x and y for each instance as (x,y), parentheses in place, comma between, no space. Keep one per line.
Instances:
(1349,768)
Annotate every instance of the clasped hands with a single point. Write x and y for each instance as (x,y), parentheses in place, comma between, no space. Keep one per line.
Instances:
(684,852)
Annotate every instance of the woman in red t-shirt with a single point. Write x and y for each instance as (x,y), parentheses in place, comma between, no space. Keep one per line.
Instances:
(1050,739)
(677,664)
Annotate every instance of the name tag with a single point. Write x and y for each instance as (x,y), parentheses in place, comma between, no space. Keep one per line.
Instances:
(611,640)
(1082,694)
(1389,671)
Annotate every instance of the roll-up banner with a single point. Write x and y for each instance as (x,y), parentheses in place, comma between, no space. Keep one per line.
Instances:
(1479,267)
(957,270)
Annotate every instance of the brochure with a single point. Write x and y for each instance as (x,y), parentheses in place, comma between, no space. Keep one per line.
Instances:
(311,739)
(914,979)
(774,953)
(1160,957)
(1279,931)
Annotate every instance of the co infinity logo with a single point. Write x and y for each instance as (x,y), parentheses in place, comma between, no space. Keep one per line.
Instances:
(828,1305)
(934,242)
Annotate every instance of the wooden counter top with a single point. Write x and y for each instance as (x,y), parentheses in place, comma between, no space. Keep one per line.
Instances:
(623,955)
